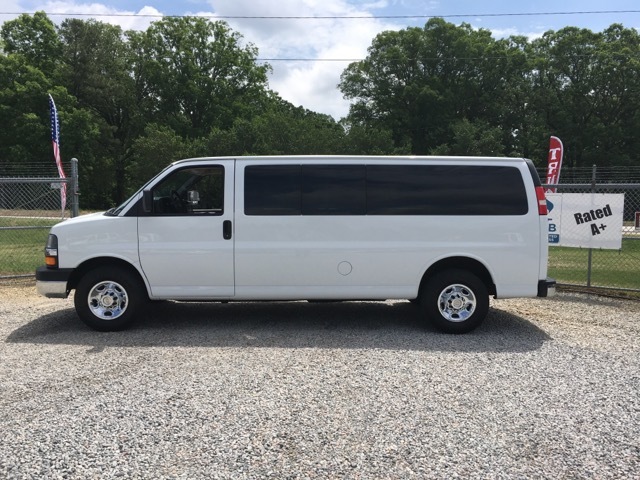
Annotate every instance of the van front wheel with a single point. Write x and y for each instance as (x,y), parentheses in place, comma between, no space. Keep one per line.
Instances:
(455,301)
(107,298)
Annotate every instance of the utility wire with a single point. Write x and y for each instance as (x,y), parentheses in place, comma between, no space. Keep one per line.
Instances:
(340,17)
(332,17)
(608,55)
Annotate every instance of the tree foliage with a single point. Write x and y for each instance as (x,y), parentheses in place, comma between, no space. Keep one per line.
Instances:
(131,102)
(195,74)
(456,90)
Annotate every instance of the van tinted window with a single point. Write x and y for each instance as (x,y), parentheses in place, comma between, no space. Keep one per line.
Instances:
(333,190)
(445,190)
(272,190)
(306,190)
(384,190)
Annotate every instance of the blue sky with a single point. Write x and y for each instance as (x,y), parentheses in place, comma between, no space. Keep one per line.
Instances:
(313,84)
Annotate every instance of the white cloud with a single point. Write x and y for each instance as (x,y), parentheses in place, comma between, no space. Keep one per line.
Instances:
(12,6)
(127,19)
(508,32)
(310,84)
(375,5)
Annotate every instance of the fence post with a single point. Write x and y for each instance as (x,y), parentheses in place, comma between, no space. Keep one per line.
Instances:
(593,190)
(75,189)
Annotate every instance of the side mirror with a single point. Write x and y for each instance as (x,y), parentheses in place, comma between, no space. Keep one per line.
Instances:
(193,197)
(147,201)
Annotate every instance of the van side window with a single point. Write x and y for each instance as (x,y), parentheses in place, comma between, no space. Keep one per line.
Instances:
(305,190)
(334,190)
(445,190)
(272,190)
(190,191)
(384,190)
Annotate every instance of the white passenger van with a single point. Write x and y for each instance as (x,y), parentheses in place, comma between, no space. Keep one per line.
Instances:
(445,232)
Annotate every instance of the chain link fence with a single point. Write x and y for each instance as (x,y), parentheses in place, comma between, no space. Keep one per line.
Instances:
(29,207)
(609,268)
(616,267)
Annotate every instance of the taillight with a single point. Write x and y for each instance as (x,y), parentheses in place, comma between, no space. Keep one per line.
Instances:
(51,252)
(542,201)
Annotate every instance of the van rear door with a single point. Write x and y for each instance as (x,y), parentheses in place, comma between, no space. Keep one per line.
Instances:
(185,242)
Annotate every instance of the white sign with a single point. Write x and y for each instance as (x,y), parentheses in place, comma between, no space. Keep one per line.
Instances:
(587,220)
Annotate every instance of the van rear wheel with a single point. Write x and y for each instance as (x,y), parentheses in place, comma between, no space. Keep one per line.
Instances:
(108,298)
(455,301)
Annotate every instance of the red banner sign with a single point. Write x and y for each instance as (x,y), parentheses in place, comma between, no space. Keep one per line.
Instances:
(554,163)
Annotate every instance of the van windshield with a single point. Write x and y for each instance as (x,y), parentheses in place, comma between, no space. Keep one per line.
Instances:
(115,211)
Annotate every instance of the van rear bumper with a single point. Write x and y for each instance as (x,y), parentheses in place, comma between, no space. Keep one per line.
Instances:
(52,283)
(547,288)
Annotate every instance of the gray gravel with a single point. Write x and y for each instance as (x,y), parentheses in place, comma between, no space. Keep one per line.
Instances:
(544,389)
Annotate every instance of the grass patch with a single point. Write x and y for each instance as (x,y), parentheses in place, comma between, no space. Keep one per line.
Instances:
(21,252)
(22,249)
(27,222)
(610,268)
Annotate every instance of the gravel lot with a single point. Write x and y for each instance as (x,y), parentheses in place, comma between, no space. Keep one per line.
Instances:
(544,389)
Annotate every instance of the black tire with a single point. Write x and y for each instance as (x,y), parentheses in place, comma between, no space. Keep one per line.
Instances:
(108,298)
(455,301)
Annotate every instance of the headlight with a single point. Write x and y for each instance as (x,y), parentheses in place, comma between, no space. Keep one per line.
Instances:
(51,252)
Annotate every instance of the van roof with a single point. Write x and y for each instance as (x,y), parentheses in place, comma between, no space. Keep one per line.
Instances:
(337,158)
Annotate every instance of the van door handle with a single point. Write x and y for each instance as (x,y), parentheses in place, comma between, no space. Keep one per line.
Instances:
(226,229)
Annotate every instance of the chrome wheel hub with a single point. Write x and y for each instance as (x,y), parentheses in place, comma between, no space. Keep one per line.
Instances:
(107,300)
(456,303)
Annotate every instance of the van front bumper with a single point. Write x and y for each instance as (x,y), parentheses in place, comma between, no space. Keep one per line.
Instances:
(547,288)
(52,283)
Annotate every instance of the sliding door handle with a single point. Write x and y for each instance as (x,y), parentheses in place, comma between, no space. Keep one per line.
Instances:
(226,229)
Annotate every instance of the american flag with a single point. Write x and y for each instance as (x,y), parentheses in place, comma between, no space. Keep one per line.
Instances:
(55,140)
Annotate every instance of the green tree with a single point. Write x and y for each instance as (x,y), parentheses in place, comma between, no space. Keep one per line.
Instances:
(195,75)
(27,67)
(281,129)
(617,95)
(587,90)
(563,87)
(35,38)
(154,150)
(132,102)
(417,82)
(363,140)
(26,138)
(287,130)
(473,139)
(24,113)
(96,70)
